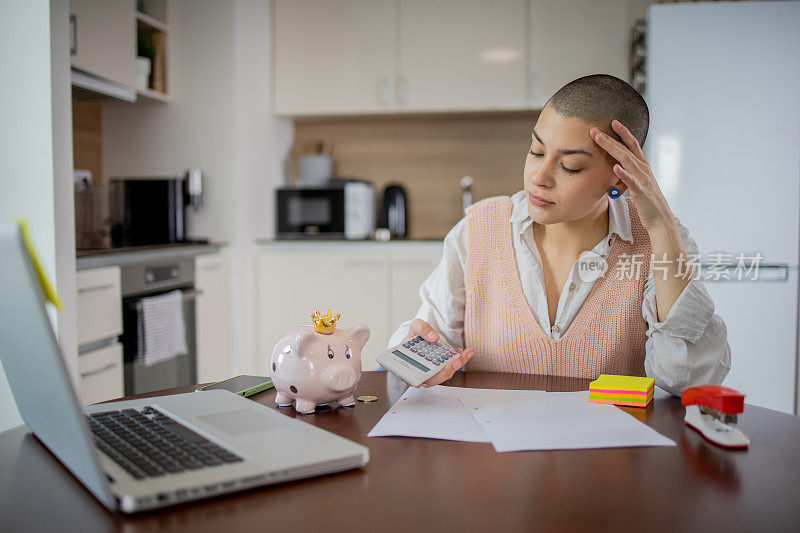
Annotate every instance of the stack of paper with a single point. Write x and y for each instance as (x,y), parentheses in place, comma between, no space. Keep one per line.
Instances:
(622,390)
(514,420)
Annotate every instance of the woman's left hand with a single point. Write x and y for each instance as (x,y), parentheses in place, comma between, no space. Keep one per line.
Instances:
(634,170)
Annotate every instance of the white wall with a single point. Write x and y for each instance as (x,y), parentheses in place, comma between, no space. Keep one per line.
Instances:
(261,145)
(36,152)
(219,121)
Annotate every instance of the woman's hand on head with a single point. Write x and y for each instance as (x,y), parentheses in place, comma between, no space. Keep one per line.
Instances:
(634,170)
(426,331)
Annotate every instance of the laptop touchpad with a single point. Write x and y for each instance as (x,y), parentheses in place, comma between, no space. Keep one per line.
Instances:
(242,421)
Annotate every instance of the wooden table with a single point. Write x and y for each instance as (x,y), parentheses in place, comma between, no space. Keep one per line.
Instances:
(433,485)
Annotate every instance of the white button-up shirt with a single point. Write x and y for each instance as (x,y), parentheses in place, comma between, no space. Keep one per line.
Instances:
(688,348)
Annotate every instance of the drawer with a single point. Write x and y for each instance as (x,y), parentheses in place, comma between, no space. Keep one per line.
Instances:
(99,304)
(100,374)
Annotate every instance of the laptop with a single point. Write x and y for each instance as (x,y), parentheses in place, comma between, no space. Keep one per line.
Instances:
(148,453)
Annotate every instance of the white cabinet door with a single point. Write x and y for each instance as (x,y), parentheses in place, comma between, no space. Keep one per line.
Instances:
(101,374)
(213,328)
(292,284)
(461,55)
(103,39)
(333,57)
(99,303)
(574,38)
(409,269)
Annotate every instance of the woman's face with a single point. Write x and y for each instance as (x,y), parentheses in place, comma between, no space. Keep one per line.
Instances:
(567,168)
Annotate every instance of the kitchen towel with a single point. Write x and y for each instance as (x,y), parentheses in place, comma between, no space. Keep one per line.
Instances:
(162,333)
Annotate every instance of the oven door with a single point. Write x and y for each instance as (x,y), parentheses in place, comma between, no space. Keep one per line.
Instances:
(303,213)
(178,371)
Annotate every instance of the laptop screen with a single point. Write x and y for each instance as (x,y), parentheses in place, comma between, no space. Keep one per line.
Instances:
(35,367)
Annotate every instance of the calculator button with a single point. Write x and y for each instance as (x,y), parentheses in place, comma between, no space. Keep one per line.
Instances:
(436,362)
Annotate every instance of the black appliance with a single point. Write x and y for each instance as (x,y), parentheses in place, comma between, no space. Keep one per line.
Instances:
(146,211)
(140,281)
(340,209)
(394,211)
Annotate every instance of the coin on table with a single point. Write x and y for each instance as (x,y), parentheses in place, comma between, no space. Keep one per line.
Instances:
(367,399)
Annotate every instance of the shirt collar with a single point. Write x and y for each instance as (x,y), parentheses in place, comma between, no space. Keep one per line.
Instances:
(619,220)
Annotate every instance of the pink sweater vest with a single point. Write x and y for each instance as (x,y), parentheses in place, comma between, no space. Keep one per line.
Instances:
(607,336)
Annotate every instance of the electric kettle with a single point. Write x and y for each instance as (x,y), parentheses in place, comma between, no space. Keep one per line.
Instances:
(394,211)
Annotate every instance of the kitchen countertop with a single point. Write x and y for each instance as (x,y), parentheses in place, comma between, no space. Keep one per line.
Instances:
(86,259)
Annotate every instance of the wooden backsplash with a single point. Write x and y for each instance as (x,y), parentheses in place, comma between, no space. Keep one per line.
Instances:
(87,151)
(429,156)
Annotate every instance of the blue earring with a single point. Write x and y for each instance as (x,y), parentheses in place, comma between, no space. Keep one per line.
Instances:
(614,193)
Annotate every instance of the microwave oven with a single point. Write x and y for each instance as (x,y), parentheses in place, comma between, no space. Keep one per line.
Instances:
(340,209)
(147,211)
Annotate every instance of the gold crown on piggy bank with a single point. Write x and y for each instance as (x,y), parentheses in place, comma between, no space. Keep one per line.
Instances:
(325,323)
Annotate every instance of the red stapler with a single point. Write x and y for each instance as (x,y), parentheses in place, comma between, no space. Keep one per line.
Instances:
(712,410)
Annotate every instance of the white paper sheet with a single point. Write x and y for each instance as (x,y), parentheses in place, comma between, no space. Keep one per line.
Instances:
(559,421)
(437,413)
(514,420)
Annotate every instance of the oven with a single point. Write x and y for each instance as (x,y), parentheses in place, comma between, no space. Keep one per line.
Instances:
(138,282)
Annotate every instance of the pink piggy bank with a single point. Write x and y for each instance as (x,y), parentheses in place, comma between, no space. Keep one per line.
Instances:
(318,364)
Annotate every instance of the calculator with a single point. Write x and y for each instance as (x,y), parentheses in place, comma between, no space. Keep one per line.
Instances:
(416,360)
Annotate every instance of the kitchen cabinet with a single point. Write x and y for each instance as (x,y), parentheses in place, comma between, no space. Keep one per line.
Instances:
(408,269)
(212,311)
(99,304)
(100,372)
(376,284)
(574,38)
(449,55)
(413,55)
(461,55)
(103,39)
(333,57)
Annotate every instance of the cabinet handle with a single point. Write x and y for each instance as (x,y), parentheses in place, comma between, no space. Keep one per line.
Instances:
(402,90)
(383,91)
(103,287)
(100,370)
(73,47)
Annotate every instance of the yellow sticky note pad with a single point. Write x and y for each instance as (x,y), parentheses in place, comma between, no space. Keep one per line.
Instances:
(628,383)
(622,390)
(47,287)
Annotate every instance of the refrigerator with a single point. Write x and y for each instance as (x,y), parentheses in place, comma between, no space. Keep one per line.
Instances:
(723,88)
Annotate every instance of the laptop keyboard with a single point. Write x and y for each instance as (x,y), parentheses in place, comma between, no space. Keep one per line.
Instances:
(151,444)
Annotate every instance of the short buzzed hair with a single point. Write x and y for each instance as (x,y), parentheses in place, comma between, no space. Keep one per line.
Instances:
(600,98)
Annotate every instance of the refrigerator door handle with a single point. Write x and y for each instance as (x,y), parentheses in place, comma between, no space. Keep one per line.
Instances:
(715,273)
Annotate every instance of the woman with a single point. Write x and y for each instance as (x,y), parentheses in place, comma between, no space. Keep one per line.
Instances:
(516,290)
